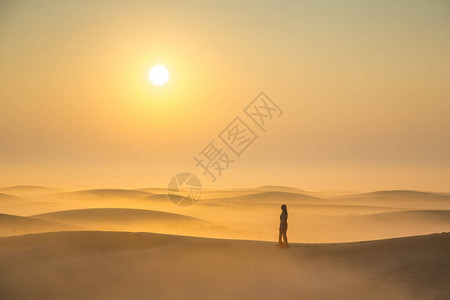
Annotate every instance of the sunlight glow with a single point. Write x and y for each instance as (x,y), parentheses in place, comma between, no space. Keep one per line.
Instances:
(158,75)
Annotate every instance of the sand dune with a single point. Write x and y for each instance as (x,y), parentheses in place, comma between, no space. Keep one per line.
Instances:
(152,190)
(329,226)
(101,197)
(31,208)
(333,209)
(405,194)
(279,188)
(322,209)
(161,197)
(124,219)
(371,226)
(112,265)
(428,215)
(218,193)
(271,197)
(234,192)
(28,190)
(7,199)
(164,198)
(411,199)
(105,193)
(113,213)
(250,214)
(279,195)
(16,225)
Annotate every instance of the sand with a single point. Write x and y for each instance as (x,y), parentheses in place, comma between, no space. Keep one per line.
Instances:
(120,265)
(136,244)
(17,225)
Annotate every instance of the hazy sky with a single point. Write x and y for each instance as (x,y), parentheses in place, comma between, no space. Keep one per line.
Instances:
(364,86)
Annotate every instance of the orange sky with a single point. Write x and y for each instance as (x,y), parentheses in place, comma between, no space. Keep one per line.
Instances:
(364,88)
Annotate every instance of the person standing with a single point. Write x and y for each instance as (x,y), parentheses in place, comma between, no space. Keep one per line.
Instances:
(282,237)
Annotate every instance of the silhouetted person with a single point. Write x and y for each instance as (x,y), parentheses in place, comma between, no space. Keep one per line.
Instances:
(282,238)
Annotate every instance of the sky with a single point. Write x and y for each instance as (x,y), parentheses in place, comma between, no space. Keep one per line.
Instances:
(364,87)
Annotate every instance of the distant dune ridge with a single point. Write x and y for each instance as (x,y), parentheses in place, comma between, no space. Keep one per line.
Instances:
(152,190)
(278,188)
(277,196)
(104,244)
(16,225)
(125,219)
(105,193)
(114,265)
(403,193)
(6,199)
(27,208)
(243,213)
(401,197)
(27,188)
(114,215)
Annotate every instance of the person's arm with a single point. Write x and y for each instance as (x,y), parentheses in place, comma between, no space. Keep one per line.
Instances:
(281,220)
(283,217)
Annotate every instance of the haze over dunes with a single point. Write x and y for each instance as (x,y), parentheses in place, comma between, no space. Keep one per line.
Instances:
(89,233)
(326,119)
(27,190)
(16,225)
(105,193)
(4,198)
(114,265)
(244,213)
(126,219)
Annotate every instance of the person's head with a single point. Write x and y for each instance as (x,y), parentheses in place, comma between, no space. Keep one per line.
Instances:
(283,207)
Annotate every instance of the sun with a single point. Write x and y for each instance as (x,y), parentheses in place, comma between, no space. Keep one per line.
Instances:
(158,75)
